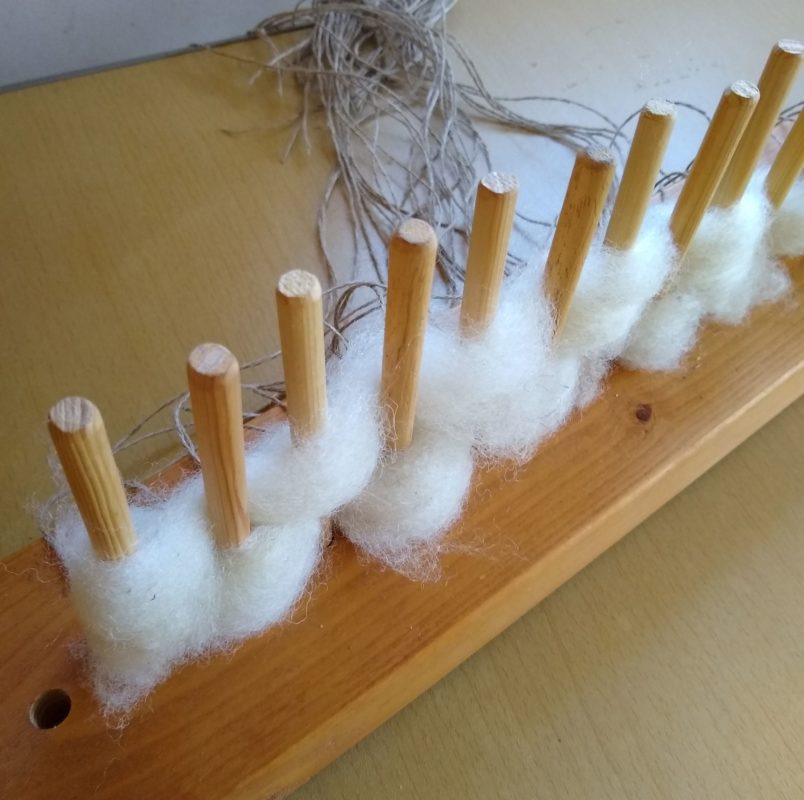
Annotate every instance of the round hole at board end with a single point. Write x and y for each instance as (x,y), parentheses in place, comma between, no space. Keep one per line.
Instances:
(50,709)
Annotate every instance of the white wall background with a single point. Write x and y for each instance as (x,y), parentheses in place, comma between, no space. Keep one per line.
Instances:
(41,39)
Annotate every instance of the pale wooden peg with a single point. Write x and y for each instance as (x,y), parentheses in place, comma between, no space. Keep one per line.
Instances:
(774,83)
(213,376)
(82,445)
(580,214)
(787,165)
(411,266)
(301,332)
(644,161)
(721,137)
(493,221)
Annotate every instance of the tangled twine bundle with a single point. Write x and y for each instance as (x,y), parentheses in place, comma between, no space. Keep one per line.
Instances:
(383,74)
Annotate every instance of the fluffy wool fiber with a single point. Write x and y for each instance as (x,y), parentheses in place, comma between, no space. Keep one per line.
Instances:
(725,273)
(144,613)
(415,496)
(491,396)
(613,292)
(787,229)
(177,596)
(476,394)
(498,398)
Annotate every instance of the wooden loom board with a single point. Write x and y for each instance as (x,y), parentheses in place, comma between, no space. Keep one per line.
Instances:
(261,721)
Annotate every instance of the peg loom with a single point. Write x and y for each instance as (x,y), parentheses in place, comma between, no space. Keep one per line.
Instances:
(259,721)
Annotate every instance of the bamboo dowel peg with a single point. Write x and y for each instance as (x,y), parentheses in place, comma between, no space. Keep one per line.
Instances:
(493,221)
(721,137)
(213,377)
(774,83)
(580,214)
(82,445)
(787,165)
(411,266)
(644,161)
(301,333)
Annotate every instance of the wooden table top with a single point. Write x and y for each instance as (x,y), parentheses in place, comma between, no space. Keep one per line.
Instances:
(145,210)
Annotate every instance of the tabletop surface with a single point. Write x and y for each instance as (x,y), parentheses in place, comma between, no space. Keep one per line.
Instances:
(146,209)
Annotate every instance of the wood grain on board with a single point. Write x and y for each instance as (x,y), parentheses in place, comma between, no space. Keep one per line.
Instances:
(261,721)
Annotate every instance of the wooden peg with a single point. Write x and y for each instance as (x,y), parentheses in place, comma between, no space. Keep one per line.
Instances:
(213,376)
(411,266)
(79,436)
(774,83)
(488,246)
(721,137)
(580,214)
(787,165)
(301,332)
(644,161)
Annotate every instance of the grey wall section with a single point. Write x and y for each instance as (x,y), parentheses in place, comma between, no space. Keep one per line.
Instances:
(42,39)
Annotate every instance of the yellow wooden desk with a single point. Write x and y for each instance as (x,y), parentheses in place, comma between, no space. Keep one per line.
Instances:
(145,210)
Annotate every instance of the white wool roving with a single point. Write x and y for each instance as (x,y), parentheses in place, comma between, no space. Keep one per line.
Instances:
(414,497)
(665,333)
(177,596)
(261,580)
(724,274)
(310,480)
(727,257)
(477,394)
(147,612)
(615,288)
(787,229)
(414,494)
(504,391)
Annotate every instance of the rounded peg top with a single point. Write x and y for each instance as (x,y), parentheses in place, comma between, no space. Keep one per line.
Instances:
(72,414)
(212,360)
(744,89)
(299,283)
(415,233)
(791,47)
(659,108)
(597,158)
(500,182)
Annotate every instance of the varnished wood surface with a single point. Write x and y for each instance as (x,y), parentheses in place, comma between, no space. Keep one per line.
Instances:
(669,669)
(263,720)
(145,210)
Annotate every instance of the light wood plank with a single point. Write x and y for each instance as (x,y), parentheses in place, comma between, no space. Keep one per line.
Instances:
(263,720)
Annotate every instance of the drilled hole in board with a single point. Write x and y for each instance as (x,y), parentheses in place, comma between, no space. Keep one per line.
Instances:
(50,709)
